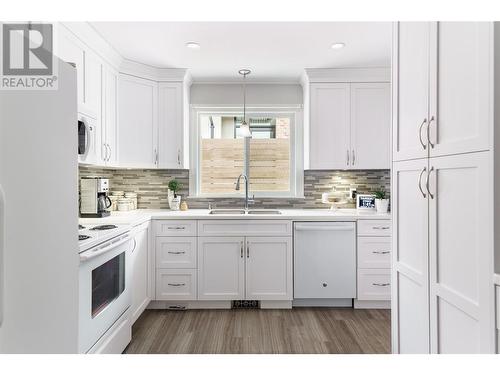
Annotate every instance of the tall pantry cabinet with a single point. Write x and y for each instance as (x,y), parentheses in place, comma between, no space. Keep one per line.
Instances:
(442,188)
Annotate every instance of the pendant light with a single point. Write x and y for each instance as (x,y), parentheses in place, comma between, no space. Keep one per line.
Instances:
(245,128)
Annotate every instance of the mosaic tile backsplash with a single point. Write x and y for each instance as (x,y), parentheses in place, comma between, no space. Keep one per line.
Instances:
(151,186)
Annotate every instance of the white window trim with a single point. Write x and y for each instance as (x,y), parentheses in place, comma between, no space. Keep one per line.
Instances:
(296,141)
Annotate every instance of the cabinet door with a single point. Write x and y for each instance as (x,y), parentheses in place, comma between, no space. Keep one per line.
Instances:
(370,125)
(109,132)
(170,125)
(410,274)
(461,112)
(330,126)
(93,82)
(410,89)
(70,50)
(221,268)
(269,268)
(461,255)
(137,118)
(140,274)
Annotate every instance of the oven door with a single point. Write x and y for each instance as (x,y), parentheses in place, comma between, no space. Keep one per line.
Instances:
(104,288)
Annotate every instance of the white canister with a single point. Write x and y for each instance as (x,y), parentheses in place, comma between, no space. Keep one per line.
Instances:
(133,199)
(124,204)
(114,202)
(175,203)
(117,193)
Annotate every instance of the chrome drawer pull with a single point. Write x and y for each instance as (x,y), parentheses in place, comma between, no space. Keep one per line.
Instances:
(177,307)
(180,284)
(378,284)
(380,252)
(176,227)
(177,252)
(380,227)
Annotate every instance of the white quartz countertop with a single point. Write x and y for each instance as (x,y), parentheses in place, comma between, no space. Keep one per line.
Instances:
(131,219)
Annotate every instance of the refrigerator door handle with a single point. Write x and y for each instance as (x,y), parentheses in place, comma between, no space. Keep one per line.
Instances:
(2,255)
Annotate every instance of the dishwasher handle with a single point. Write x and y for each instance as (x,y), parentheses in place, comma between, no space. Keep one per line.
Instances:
(324,227)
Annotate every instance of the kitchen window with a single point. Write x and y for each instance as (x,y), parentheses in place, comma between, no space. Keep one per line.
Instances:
(271,158)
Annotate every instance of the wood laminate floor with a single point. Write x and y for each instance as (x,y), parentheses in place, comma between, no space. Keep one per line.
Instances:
(300,330)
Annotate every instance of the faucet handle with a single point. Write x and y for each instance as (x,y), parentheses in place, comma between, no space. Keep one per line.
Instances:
(210,205)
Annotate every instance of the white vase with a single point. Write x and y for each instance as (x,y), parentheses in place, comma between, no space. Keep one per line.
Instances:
(176,203)
(382,205)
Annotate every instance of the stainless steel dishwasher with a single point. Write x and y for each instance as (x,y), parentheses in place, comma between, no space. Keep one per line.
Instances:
(324,263)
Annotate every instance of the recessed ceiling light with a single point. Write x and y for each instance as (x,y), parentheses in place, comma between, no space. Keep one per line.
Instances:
(193,45)
(338,45)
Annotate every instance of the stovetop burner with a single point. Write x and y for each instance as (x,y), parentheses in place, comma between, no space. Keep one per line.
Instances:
(82,237)
(104,227)
(80,227)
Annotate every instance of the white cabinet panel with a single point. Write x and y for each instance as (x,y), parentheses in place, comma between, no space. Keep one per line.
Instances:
(175,252)
(140,272)
(244,228)
(461,260)
(370,125)
(330,126)
(374,284)
(221,266)
(109,123)
(410,299)
(374,252)
(170,125)
(138,122)
(410,89)
(268,268)
(175,284)
(461,87)
(93,81)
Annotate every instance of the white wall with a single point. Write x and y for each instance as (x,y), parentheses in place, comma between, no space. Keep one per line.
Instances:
(229,94)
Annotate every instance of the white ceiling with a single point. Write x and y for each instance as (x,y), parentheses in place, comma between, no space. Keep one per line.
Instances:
(274,51)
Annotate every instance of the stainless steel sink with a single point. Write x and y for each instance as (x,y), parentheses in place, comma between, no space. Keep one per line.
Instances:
(264,212)
(227,211)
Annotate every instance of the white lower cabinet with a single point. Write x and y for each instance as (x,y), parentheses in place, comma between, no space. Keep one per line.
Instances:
(269,268)
(140,271)
(374,284)
(221,268)
(175,284)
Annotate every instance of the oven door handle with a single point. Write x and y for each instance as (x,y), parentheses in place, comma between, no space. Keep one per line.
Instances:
(87,255)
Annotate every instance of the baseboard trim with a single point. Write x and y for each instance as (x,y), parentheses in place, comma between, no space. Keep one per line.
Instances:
(275,304)
(188,305)
(372,304)
(322,302)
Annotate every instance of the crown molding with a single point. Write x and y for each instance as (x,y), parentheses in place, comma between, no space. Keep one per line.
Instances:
(382,74)
(152,73)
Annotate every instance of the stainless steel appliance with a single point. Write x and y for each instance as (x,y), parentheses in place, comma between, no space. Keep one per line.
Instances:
(94,200)
(104,295)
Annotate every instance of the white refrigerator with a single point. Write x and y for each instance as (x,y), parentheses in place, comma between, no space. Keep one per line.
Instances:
(39,218)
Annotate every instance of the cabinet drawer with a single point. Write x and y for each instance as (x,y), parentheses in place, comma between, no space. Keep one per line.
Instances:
(374,227)
(175,228)
(244,228)
(175,285)
(374,285)
(175,252)
(374,252)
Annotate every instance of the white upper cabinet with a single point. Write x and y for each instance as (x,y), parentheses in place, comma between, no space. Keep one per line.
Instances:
(92,88)
(138,122)
(350,125)
(411,89)
(443,79)
(330,122)
(370,126)
(461,83)
(109,123)
(170,125)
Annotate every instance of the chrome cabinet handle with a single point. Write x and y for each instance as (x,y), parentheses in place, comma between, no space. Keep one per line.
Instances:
(241,249)
(178,157)
(427,183)
(177,252)
(135,245)
(248,249)
(353,157)
(420,134)
(380,252)
(109,157)
(156,157)
(428,132)
(347,157)
(176,228)
(380,227)
(420,182)
(176,284)
(381,284)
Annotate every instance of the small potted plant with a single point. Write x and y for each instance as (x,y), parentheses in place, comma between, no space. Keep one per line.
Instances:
(174,200)
(381,202)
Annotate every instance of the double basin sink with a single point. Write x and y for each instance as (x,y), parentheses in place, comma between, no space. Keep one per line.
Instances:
(232,211)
